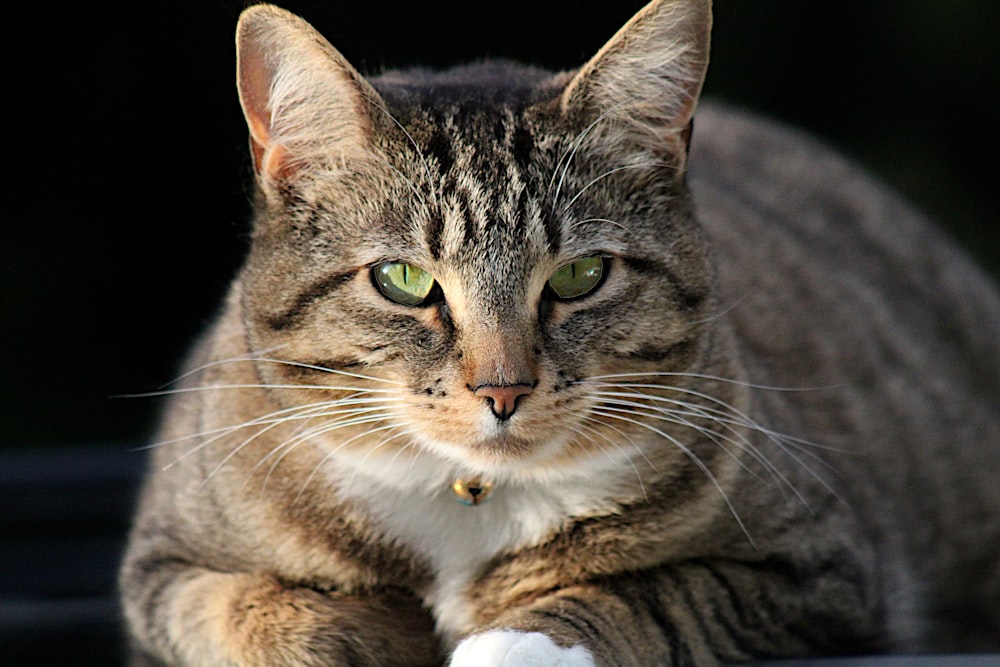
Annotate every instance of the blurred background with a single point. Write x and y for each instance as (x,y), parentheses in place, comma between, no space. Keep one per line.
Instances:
(127,187)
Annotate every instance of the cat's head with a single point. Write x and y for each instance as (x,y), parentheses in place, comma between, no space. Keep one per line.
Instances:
(482,243)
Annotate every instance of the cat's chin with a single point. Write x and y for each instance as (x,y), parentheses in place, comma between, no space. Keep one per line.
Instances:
(502,454)
(506,449)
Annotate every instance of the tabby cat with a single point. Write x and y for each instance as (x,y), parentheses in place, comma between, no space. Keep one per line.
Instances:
(512,377)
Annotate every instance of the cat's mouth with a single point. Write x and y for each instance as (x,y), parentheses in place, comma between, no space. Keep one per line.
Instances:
(472,436)
(503,452)
(507,441)
(506,447)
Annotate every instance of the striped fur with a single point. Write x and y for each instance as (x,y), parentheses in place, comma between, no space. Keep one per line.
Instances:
(770,430)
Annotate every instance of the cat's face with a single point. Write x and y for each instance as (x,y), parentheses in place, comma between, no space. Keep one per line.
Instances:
(463,266)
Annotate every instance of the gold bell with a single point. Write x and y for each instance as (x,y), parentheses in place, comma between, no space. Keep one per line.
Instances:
(473,491)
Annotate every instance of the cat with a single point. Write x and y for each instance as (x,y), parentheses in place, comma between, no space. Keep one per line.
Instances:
(533,368)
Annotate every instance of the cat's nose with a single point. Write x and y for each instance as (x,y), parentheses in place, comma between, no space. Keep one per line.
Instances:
(503,399)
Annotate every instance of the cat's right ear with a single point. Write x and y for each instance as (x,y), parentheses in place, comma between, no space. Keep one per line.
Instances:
(641,89)
(305,105)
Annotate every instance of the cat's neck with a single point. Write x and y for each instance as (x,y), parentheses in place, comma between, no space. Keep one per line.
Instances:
(411,502)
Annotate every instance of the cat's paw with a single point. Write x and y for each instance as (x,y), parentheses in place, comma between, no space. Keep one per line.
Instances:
(509,648)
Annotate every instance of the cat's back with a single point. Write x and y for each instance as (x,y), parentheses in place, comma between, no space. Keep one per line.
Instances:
(886,333)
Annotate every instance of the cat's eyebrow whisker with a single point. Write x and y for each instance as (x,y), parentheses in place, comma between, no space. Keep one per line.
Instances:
(579,223)
(610,172)
(416,147)
(693,458)
(409,182)
(566,159)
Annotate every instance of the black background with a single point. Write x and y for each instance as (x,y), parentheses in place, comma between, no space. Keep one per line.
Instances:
(125,210)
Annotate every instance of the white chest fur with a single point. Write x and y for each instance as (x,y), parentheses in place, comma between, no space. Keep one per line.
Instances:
(412,502)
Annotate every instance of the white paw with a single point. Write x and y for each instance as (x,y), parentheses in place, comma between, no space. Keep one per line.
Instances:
(510,648)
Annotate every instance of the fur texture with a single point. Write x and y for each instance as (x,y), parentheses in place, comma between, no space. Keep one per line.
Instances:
(767,427)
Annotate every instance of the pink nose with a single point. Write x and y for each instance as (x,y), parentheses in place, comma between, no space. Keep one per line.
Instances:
(502,399)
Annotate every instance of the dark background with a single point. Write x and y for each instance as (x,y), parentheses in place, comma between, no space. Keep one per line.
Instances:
(126,205)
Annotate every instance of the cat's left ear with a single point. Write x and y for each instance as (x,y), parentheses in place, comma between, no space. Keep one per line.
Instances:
(646,81)
(305,105)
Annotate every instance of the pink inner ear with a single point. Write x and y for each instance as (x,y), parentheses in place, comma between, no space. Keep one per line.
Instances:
(255,78)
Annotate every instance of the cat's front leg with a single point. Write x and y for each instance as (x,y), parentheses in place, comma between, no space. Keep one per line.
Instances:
(194,616)
(582,626)
(697,613)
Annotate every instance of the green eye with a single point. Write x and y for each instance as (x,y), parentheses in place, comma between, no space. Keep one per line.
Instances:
(403,283)
(576,279)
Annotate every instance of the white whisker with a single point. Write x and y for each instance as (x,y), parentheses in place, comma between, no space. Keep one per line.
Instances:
(326,369)
(302,418)
(729,410)
(721,440)
(216,434)
(409,182)
(579,223)
(574,146)
(256,358)
(220,362)
(610,172)
(692,457)
(266,423)
(416,147)
(729,416)
(267,418)
(719,313)
(333,453)
(411,445)
(341,418)
(378,445)
(616,445)
(698,376)
(289,444)
(216,387)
